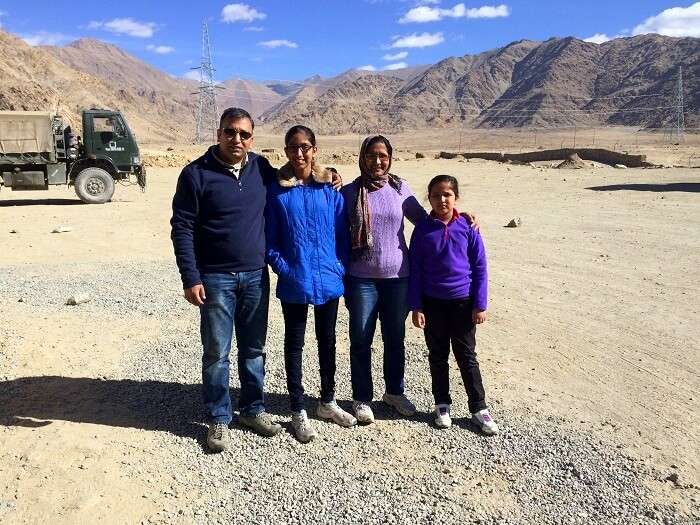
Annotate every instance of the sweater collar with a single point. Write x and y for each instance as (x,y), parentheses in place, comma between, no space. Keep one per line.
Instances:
(455,216)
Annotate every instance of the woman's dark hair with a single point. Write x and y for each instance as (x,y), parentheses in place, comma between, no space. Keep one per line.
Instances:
(236,114)
(444,178)
(379,139)
(299,129)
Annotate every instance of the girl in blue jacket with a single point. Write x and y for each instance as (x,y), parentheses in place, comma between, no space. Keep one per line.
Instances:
(307,247)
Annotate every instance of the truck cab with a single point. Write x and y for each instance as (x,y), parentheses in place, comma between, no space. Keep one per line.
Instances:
(107,137)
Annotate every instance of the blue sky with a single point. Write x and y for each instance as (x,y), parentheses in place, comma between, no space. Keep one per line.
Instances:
(276,39)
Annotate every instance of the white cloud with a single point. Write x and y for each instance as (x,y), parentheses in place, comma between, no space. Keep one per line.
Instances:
(366,68)
(240,13)
(397,56)
(45,38)
(161,50)
(416,40)
(488,11)
(278,43)
(676,21)
(424,13)
(598,38)
(192,74)
(397,65)
(126,26)
(254,28)
(421,14)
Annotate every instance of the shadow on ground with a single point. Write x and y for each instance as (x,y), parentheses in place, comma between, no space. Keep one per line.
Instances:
(148,405)
(687,187)
(40,202)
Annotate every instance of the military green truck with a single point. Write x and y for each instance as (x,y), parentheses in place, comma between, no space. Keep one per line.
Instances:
(38,150)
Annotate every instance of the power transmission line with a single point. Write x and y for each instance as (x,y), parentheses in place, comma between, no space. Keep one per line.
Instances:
(329,87)
(232,91)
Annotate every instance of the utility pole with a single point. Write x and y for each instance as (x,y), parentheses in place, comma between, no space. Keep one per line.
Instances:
(680,121)
(207,110)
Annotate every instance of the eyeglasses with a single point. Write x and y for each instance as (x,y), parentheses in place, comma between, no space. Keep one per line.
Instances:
(232,132)
(293,148)
(373,157)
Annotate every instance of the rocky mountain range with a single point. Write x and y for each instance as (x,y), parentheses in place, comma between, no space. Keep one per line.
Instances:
(559,82)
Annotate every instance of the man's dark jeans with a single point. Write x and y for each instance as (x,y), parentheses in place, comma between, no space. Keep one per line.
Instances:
(325,316)
(241,300)
(367,300)
(451,321)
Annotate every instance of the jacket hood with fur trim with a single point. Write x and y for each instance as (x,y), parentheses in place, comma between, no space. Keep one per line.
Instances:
(287,179)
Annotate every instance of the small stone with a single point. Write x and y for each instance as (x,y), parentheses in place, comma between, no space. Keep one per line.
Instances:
(62,229)
(620,166)
(673,478)
(514,223)
(13,231)
(78,298)
(420,155)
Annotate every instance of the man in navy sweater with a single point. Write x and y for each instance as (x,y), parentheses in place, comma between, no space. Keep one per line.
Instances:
(218,232)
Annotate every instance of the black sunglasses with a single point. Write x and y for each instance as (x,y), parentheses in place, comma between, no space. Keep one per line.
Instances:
(232,132)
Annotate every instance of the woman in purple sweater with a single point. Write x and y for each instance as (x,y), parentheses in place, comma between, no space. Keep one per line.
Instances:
(377,275)
(376,281)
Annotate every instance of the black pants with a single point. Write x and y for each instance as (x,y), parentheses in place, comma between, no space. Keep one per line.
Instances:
(325,316)
(450,321)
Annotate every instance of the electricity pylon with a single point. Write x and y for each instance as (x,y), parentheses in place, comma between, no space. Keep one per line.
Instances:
(207,110)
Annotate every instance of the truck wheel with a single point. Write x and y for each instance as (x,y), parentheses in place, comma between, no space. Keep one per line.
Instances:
(94,186)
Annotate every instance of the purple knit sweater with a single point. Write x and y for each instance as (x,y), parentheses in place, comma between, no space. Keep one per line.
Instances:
(389,256)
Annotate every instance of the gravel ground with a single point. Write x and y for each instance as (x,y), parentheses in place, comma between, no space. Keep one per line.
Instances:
(537,471)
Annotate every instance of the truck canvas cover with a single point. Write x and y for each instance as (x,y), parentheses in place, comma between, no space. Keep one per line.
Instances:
(25,132)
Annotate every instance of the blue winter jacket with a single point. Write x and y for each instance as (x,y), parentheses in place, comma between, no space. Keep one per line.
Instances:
(307,235)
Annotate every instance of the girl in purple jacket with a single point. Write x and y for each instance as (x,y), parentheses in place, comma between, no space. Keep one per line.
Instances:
(447,292)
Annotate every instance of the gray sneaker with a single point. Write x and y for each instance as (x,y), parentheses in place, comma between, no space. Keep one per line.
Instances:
(401,403)
(217,437)
(303,429)
(333,412)
(261,423)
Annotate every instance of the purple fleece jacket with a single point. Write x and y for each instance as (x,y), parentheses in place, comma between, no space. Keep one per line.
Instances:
(448,261)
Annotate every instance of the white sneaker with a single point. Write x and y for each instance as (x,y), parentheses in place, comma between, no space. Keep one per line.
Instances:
(442,416)
(401,403)
(485,422)
(363,412)
(333,412)
(303,429)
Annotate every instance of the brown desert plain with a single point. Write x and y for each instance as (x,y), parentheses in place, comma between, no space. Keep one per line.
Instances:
(594,329)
